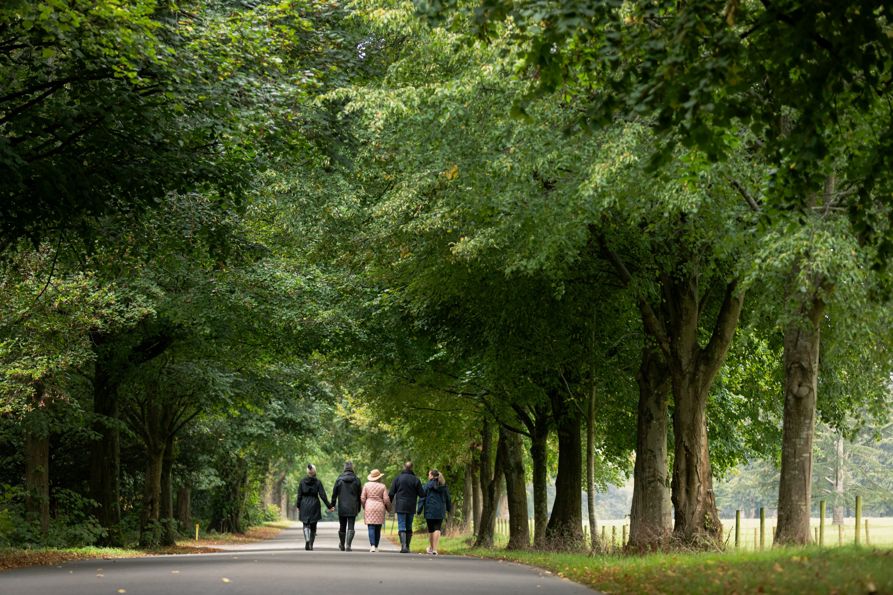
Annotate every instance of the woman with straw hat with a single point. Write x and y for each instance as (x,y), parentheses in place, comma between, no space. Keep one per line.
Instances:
(375,502)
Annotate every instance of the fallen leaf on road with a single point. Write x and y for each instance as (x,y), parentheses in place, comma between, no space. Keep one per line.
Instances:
(175,572)
(122,590)
(226,580)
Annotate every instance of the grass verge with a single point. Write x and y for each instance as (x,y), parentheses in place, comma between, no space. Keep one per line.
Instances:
(20,558)
(808,570)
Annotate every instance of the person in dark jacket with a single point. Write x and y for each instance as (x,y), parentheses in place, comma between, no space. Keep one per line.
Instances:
(436,505)
(346,498)
(310,491)
(405,491)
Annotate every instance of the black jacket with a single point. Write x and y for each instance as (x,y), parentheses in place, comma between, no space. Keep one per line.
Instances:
(346,494)
(309,493)
(436,502)
(405,489)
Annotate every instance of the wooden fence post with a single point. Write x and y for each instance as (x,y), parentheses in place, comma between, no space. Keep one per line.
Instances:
(821,539)
(623,541)
(867,542)
(840,534)
(858,520)
(613,537)
(737,529)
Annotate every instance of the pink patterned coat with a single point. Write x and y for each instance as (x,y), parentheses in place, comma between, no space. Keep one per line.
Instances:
(375,501)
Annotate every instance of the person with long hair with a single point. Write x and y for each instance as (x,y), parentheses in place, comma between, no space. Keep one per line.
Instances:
(310,492)
(435,504)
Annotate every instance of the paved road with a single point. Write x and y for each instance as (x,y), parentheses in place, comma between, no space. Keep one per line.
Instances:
(282,566)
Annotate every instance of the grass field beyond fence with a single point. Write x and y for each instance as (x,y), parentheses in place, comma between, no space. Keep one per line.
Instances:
(813,570)
(880,532)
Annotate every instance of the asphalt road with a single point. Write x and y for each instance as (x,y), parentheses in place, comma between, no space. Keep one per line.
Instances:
(282,566)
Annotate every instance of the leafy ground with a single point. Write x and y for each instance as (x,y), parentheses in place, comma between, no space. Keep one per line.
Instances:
(19,558)
(811,570)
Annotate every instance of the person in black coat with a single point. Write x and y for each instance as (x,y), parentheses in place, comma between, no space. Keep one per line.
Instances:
(310,491)
(436,505)
(405,491)
(346,498)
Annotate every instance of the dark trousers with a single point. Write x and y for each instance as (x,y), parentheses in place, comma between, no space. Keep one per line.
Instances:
(346,522)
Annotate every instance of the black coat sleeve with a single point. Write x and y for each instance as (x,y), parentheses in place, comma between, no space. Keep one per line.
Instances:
(322,494)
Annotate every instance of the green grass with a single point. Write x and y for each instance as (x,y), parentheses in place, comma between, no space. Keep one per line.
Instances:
(809,570)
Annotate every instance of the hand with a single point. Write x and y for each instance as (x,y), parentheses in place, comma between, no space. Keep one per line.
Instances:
(332,509)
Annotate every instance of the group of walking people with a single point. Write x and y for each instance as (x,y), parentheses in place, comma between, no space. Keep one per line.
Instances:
(407,498)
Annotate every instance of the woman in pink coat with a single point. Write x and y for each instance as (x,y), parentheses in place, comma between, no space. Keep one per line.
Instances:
(375,502)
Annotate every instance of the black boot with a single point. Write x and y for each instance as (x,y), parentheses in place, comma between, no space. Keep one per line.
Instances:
(312,538)
(350,535)
(408,539)
(341,540)
(403,548)
(307,538)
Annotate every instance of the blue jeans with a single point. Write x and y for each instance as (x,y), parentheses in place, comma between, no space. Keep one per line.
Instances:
(404,521)
(374,534)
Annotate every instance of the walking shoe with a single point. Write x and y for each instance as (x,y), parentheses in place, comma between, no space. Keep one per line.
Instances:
(428,550)
(433,552)
(372,549)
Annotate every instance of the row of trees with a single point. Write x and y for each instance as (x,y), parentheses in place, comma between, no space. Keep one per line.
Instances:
(516,241)
(576,210)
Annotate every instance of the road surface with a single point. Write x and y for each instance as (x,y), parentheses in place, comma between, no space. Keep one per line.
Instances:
(282,566)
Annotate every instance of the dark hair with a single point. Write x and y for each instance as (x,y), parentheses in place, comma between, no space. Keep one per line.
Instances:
(348,466)
(441,480)
(407,465)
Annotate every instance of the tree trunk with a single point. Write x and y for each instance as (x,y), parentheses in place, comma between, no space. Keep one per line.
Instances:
(839,481)
(150,528)
(467,500)
(801,366)
(278,486)
(105,452)
(539,454)
(490,474)
(676,327)
(692,371)
(168,522)
(565,528)
(650,518)
(184,508)
(512,447)
(594,544)
(477,500)
(697,520)
(37,461)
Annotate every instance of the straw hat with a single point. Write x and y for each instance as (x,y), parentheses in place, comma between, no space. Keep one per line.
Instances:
(375,475)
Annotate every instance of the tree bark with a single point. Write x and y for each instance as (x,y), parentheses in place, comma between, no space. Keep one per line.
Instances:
(184,507)
(37,462)
(539,455)
(490,474)
(512,449)
(105,451)
(594,544)
(166,512)
(650,523)
(801,366)
(477,500)
(467,499)
(150,530)
(692,371)
(565,527)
